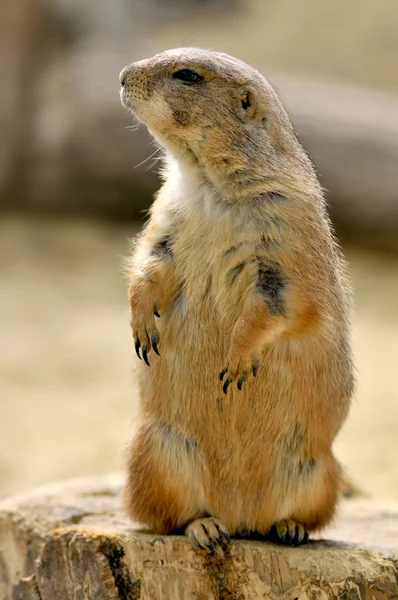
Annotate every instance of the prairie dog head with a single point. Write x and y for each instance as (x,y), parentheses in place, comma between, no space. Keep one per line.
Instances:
(209,109)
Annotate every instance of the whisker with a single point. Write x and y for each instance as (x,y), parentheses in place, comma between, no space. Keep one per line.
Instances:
(153,163)
(134,127)
(187,40)
(148,158)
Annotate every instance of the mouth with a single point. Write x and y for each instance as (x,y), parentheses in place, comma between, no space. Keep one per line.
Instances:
(125,98)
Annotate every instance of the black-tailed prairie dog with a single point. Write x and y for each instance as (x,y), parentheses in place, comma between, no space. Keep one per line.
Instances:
(238,285)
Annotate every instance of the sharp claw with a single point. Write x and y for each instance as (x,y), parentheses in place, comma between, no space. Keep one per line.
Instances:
(195,540)
(145,354)
(222,373)
(155,347)
(224,535)
(242,380)
(226,384)
(296,535)
(227,536)
(137,347)
(209,544)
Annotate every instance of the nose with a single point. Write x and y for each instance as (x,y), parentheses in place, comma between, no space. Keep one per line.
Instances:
(124,73)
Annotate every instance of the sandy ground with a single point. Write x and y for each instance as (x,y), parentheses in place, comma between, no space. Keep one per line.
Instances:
(66,389)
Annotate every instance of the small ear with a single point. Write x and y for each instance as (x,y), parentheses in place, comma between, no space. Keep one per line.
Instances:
(248,102)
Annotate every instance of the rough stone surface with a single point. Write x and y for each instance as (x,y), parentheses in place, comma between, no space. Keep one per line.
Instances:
(71,542)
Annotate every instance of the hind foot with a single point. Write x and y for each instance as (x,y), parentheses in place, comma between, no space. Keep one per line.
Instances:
(210,534)
(288,532)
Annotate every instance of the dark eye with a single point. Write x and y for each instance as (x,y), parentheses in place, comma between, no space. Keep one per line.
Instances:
(187,76)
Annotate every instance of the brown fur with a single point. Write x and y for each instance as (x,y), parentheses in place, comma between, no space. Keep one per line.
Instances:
(239,260)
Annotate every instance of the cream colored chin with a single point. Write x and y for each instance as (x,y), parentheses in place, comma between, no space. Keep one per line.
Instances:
(125,100)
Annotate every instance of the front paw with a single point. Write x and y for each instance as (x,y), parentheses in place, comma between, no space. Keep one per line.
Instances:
(145,334)
(238,370)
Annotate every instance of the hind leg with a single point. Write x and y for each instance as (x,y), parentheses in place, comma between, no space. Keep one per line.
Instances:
(316,505)
(313,504)
(164,488)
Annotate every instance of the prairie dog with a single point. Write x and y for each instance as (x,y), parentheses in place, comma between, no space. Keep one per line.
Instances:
(238,283)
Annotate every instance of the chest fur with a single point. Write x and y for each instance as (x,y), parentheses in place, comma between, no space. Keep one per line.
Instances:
(200,245)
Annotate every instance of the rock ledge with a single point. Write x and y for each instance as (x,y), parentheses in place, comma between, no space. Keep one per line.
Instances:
(71,542)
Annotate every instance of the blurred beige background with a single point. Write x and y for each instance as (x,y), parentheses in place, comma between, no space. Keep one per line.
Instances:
(71,197)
